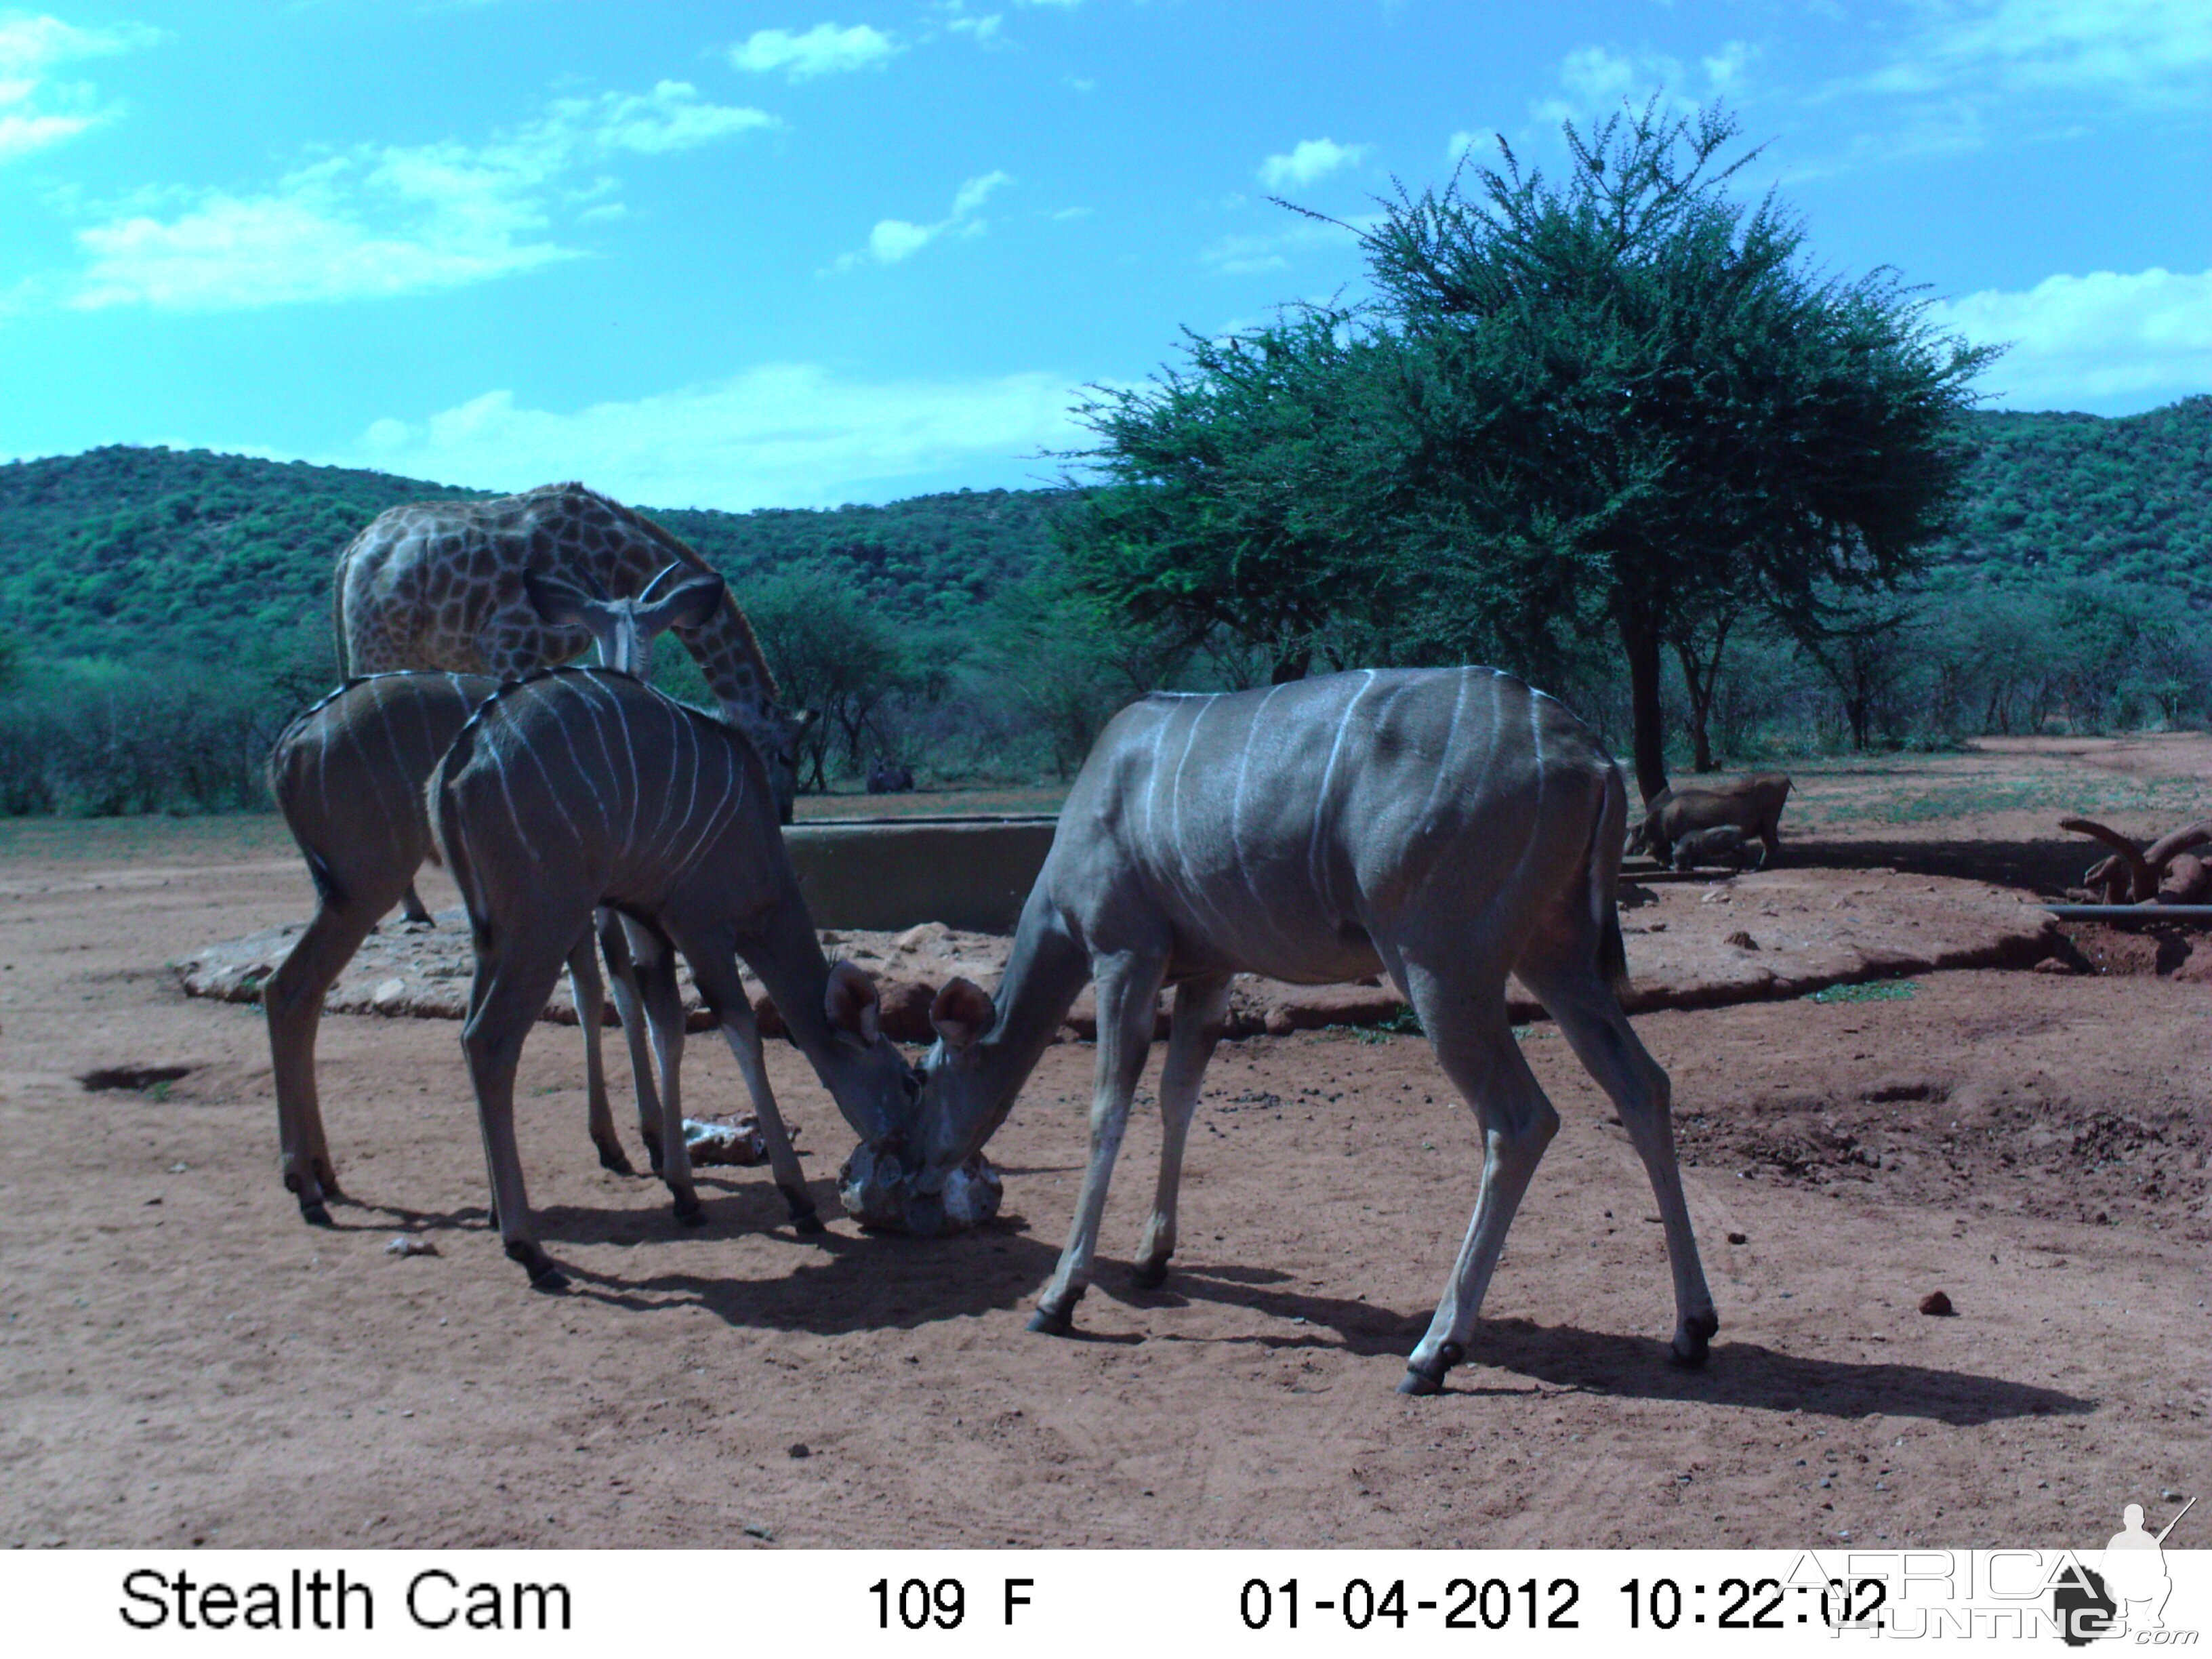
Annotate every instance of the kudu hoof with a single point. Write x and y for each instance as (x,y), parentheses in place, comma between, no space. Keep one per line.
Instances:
(544,1273)
(1691,1344)
(315,1213)
(1045,1323)
(1149,1275)
(689,1211)
(803,1217)
(1426,1378)
(614,1158)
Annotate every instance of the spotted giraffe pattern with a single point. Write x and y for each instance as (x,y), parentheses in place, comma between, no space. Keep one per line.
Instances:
(438,585)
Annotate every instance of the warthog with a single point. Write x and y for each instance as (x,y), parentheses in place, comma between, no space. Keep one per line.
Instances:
(1723,844)
(1751,805)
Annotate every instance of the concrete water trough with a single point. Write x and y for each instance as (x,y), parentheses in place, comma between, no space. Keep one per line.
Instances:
(971,872)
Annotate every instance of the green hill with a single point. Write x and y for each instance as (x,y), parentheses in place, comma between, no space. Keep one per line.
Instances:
(135,555)
(2128,499)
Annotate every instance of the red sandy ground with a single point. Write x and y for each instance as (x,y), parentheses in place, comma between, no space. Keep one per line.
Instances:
(183,1362)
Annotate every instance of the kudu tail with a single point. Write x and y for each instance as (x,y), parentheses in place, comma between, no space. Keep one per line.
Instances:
(1603,874)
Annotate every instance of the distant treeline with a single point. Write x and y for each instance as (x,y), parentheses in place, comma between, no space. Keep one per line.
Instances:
(162,612)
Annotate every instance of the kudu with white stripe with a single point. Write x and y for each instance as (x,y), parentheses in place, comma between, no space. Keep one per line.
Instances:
(580,787)
(1447,826)
(348,774)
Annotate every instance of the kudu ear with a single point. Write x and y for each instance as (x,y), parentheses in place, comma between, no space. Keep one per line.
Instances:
(559,601)
(962,1013)
(671,601)
(851,1003)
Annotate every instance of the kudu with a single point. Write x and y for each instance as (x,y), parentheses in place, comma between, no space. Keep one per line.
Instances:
(1447,826)
(348,774)
(580,788)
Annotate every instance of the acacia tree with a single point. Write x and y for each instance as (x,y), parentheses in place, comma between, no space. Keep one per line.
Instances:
(1627,393)
(1245,495)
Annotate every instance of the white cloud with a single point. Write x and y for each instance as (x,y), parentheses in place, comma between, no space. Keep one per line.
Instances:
(376,220)
(1243,254)
(2142,51)
(1597,80)
(789,435)
(1458,146)
(36,110)
(1309,161)
(985,29)
(2107,337)
(825,49)
(894,239)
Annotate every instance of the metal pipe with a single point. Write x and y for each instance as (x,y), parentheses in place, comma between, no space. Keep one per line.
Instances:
(2131,912)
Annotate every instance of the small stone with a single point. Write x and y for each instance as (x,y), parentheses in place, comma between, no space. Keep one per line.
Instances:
(386,997)
(1741,940)
(408,1245)
(1936,1304)
(1738,1238)
(761,1533)
(799,1448)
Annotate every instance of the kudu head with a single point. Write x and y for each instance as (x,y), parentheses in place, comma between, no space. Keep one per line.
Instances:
(875,1089)
(624,629)
(963,1097)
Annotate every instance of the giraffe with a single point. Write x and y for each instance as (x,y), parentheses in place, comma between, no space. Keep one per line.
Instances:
(438,586)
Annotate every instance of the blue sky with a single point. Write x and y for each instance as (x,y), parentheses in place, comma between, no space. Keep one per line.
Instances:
(741,256)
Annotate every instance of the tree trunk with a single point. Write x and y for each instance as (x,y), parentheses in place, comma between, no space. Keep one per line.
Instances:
(1703,679)
(1648,740)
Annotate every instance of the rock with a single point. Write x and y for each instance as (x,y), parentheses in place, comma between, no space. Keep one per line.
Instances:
(903,1006)
(1938,1304)
(1741,940)
(880,1190)
(408,1245)
(387,996)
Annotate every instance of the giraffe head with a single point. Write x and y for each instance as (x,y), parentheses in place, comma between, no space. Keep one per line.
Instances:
(778,736)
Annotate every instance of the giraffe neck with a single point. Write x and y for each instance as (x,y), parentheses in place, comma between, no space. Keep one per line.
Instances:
(730,659)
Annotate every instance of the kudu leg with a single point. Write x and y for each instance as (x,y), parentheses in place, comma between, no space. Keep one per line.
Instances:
(1474,1040)
(1201,1009)
(743,1033)
(1128,1002)
(292,1002)
(664,1019)
(1589,1017)
(413,909)
(624,968)
(723,989)
(591,995)
(508,993)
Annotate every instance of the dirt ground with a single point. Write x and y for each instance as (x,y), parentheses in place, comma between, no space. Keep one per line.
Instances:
(183,1362)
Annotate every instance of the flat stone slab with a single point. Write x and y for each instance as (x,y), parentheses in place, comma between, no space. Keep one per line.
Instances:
(1691,943)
